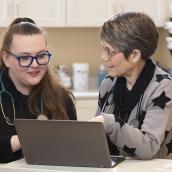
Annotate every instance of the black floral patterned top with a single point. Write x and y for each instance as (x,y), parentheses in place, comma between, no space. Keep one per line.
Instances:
(138,122)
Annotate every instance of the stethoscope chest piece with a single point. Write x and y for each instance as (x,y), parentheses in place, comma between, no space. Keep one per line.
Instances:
(42,117)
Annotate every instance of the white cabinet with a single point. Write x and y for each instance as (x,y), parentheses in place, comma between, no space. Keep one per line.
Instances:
(87,12)
(86,108)
(5,12)
(77,13)
(95,12)
(154,8)
(48,13)
(86,104)
(45,12)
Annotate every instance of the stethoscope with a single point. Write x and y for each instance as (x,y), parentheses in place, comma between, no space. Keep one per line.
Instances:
(3,92)
(109,99)
(109,96)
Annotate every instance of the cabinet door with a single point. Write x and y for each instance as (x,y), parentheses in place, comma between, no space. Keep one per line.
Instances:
(47,13)
(154,8)
(6,12)
(87,12)
(86,109)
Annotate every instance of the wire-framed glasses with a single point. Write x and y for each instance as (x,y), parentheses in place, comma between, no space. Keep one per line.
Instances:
(110,54)
(26,60)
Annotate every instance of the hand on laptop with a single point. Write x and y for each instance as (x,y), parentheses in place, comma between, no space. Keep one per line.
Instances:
(15,144)
(99,118)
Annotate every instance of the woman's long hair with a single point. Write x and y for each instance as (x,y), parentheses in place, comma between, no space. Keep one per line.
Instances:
(49,90)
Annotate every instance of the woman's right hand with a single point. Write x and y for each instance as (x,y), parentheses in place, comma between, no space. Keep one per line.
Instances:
(98,118)
(15,143)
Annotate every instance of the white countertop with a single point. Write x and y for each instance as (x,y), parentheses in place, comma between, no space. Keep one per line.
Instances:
(130,165)
(90,93)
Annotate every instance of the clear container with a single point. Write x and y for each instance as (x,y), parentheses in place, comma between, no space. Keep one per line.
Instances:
(64,77)
(101,74)
(80,76)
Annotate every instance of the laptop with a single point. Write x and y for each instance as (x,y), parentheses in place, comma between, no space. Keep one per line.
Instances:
(64,143)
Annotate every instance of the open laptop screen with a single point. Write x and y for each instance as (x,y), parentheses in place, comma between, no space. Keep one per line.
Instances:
(67,143)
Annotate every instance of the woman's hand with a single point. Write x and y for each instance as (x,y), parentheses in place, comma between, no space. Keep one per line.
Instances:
(99,118)
(15,144)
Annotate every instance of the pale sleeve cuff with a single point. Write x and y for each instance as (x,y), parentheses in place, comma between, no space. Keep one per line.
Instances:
(109,122)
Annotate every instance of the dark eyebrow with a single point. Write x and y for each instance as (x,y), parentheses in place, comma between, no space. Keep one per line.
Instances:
(42,51)
(28,54)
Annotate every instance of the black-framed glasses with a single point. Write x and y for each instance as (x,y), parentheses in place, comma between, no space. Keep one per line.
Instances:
(109,54)
(26,60)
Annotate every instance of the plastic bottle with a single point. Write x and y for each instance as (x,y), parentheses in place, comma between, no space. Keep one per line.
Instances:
(80,76)
(65,79)
(101,74)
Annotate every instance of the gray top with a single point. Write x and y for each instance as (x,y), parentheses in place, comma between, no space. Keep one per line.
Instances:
(154,137)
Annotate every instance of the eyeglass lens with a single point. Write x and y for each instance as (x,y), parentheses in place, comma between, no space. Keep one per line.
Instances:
(108,52)
(41,59)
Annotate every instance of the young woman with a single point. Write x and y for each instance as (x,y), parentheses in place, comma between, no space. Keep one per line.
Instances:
(135,100)
(27,88)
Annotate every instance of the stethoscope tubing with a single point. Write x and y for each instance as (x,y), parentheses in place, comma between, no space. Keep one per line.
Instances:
(2,93)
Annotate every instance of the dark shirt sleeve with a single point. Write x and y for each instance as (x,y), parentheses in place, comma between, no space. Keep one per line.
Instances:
(70,109)
(6,154)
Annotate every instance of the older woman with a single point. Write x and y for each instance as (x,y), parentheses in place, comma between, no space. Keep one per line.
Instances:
(135,99)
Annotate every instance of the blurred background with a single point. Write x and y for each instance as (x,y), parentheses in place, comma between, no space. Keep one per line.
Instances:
(73,26)
(72,29)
